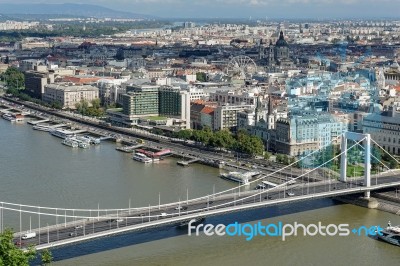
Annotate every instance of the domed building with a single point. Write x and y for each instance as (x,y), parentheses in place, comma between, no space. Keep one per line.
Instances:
(278,54)
(392,73)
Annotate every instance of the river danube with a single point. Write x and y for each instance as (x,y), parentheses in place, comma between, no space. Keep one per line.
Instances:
(36,169)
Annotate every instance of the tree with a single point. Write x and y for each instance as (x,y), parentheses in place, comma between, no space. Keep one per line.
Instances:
(14,78)
(204,136)
(82,107)
(267,155)
(279,158)
(95,103)
(201,76)
(184,134)
(223,139)
(56,105)
(285,159)
(47,257)
(10,254)
(252,145)
(393,164)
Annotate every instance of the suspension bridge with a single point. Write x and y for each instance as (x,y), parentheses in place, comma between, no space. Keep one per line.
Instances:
(62,226)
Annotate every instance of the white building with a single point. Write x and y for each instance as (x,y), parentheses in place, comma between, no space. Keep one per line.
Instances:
(226,117)
(68,95)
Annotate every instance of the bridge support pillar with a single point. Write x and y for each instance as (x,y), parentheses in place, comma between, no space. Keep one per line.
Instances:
(367,157)
(367,164)
(343,159)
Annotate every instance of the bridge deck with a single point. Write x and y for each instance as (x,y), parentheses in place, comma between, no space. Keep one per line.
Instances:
(175,213)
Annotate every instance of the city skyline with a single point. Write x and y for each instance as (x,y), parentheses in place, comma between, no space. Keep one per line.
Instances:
(266,9)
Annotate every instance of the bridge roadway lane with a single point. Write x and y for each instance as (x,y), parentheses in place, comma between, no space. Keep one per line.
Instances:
(94,226)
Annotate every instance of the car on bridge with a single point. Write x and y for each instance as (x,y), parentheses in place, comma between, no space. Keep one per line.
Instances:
(290,194)
(115,220)
(73,234)
(181,208)
(78,226)
(19,243)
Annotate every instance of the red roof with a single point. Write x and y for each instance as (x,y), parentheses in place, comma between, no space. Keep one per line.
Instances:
(207,110)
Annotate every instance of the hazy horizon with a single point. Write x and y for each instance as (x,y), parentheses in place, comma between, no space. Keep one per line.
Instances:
(270,9)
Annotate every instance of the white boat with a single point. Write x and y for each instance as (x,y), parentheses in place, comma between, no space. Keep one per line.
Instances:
(70,142)
(62,133)
(92,140)
(9,117)
(390,235)
(83,145)
(236,177)
(82,139)
(42,128)
(141,158)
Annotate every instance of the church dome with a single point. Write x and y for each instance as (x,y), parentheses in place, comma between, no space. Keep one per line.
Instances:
(281,41)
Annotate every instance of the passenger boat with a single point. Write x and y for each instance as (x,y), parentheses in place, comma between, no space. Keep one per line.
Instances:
(92,140)
(141,158)
(390,235)
(42,128)
(83,145)
(70,142)
(82,139)
(62,133)
(9,117)
(236,177)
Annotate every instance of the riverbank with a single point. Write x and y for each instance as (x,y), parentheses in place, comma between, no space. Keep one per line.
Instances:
(388,201)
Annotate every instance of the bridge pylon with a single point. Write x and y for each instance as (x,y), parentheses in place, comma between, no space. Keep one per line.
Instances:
(367,157)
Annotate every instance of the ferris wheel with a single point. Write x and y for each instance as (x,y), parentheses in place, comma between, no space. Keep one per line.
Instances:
(241,66)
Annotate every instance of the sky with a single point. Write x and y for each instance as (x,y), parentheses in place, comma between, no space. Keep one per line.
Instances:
(315,9)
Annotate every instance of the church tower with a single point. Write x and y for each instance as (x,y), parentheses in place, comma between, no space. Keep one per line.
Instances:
(270,116)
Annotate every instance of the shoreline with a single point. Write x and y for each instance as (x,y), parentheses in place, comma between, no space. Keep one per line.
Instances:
(379,201)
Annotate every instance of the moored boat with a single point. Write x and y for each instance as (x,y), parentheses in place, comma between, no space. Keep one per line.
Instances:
(9,117)
(390,235)
(236,177)
(140,157)
(62,133)
(70,142)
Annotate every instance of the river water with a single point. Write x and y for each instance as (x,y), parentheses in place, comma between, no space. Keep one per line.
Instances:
(36,169)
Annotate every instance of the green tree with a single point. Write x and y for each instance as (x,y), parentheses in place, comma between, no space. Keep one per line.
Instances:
(393,164)
(95,103)
(201,76)
(184,134)
(56,105)
(47,257)
(267,155)
(223,139)
(279,158)
(285,159)
(14,78)
(82,107)
(10,254)
(204,136)
(252,145)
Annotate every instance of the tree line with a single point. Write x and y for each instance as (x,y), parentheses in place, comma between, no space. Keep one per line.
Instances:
(224,139)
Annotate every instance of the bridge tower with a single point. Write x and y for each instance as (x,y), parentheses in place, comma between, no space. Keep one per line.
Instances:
(367,157)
